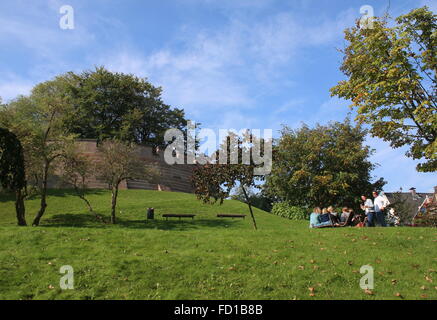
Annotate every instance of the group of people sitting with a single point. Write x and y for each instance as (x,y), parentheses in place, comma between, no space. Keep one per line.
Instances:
(373,213)
(327,217)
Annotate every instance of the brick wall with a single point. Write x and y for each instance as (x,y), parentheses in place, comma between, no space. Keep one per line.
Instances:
(172,178)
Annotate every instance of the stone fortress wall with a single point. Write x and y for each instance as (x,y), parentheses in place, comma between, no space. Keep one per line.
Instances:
(172,177)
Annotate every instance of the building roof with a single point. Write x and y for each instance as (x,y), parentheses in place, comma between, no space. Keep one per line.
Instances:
(412,202)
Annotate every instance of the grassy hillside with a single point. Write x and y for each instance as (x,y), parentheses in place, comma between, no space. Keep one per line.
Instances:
(207,258)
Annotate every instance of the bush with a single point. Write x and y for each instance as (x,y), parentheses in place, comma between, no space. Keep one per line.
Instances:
(426,221)
(285,210)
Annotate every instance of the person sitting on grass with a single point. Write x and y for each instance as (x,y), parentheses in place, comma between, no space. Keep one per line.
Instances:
(318,220)
(345,213)
(359,219)
(334,215)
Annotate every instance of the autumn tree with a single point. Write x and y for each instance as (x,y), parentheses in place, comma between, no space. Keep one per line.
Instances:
(321,166)
(120,161)
(391,69)
(232,165)
(12,171)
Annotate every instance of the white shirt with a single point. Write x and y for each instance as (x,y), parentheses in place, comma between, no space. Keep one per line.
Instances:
(379,203)
(368,203)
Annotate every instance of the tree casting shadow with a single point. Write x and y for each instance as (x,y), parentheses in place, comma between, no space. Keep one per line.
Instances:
(89,221)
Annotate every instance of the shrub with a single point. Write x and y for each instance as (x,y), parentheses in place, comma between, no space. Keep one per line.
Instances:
(285,210)
(425,221)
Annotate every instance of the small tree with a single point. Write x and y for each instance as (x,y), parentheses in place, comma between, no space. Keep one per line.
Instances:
(76,170)
(214,181)
(12,172)
(120,161)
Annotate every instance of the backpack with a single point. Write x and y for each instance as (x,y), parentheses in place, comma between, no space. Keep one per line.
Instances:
(324,218)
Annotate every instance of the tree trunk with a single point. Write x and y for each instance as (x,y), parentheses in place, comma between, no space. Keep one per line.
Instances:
(42,209)
(90,208)
(43,204)
(20,208)
(250,207)
(114,203)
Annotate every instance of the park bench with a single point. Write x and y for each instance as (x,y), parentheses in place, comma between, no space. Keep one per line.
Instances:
(226,215)
(177,215)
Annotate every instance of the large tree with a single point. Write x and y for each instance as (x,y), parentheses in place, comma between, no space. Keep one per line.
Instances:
(321,166)
(391,70)
(37,121)
(12,171)
(115,105)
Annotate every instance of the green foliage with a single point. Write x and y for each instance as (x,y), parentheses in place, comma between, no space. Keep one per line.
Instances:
(286,210)
(116,105)
(12,171)
(391,80)
(426,221)
(38,122)
(326,165)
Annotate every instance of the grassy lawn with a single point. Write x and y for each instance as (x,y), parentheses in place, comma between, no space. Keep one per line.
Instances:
(208,258)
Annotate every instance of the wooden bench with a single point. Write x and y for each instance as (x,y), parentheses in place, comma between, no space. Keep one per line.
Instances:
(176,215)
(225,215)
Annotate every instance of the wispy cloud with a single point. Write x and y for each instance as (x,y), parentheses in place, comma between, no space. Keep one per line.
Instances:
(11,86)
(398,169)
(220,69)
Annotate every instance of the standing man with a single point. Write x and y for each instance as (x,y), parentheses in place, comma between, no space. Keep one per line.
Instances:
(380,204)
(369,209)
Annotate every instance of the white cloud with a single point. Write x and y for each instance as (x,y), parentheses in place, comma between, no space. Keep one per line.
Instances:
(11,86)
(231,4)
(219,69)
(45,40)
(236,120)
(291,105)
(398,169)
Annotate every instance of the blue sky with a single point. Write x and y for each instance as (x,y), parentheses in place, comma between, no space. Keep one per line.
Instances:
(228,63)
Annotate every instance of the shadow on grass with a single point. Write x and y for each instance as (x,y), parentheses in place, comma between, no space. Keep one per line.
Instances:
(89,221)
(6,196)
(72,220)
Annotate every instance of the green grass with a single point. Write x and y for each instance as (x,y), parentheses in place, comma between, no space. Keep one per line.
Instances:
(207,258)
